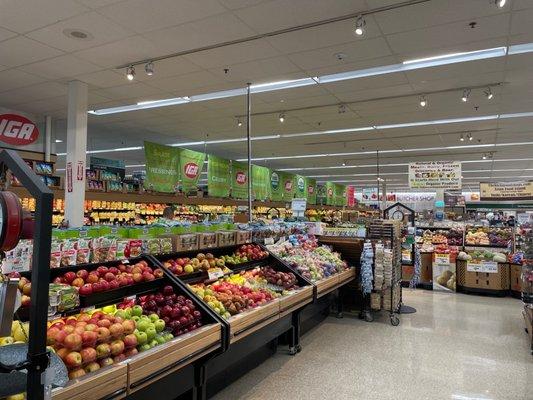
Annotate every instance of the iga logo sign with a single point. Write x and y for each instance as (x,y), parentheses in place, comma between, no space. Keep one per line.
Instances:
(310,189)
(274,180)
(191,170)
(17,130)
(288,185)
(330,192)
(240,178)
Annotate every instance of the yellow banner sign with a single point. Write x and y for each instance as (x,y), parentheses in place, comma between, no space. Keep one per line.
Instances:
(520,190)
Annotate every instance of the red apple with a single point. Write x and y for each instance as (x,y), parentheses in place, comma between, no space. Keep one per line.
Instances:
(137,277)
(73,359)
(104,322)
(98,315)
(91,367)
(68,329)
(122,268)
(60,336)
(62,353)
(102,270)
(117,347)
(91,326)
(136,269)
(84,317)
(114,284)
(148,276)
(26,289)
(130,340)
(79,329)
(78,282)
(129,326)
(72,341)
(116,330)
(86,289)
(103,334)
(114,270)
(103,350)
(131,352)
(109,276)
(88,354)
(104,286)
(76,373)
(118,358)
(58,280)
(82,273)
(89,338)
(158,273)
(69,276)
(106,361)
(92,277)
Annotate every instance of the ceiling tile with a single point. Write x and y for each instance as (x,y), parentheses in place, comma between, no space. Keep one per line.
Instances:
(101,29)
(103,79)
(236,4)
(97,3)
(35,92)
(184,83)
(131,90)
(209,31)
(20,50)
(354,51)
(144,16)
(13,79)
(6,34)
(60,67)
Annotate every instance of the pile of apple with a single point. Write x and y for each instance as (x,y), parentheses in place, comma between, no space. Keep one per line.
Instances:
(103,278)
(202,262)
(250,252)
(88,342)
(24,287)
(177,312)
(287,280)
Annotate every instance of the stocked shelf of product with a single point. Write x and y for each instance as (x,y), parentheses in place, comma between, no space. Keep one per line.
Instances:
(482,236)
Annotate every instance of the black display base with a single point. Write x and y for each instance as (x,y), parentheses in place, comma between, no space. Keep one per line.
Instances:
(406,309)
(422,285)
(516,294)
(176,386)
(314,313)
(482,292)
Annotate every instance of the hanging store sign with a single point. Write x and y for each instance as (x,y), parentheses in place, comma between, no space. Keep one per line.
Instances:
(218,177)
(300,186)
(330,193)
(191,165)
(17,130)
(287,185)
(311,190)
(519,190)
(116,167)
(435,175)
(276,191)
(260,182)
(162,167)
(239,180)
(350,194)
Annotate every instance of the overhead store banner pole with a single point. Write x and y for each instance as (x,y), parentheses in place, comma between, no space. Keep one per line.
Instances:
(249,142)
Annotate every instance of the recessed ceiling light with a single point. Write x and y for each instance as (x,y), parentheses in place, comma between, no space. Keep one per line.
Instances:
(282,118)
(149,68)
(130,73)
(423,101)
(470,138)
(462,138)
(489,93)
(58,141)
(239,122)
(466,95)
(77,34)
(360,26)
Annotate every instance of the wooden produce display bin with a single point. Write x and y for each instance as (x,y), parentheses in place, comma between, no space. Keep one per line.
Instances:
(492,283)
(516,280)
(346,276)
(296,299)
(150,366)
(240,323)
(527,312)
(326,285)
(109,382)
(426,268)
(226,238)
(207,240)
(185,242)
(244,237)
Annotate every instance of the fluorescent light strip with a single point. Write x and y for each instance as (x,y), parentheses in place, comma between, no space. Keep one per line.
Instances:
(408,65)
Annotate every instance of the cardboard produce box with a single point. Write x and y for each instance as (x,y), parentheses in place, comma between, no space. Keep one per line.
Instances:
(184,242)
(516,277)
(207,240)
(226,238)
(244,237)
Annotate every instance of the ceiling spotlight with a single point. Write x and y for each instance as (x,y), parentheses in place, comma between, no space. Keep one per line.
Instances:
(423,101)
(484,156)
(500,3)
(130,72)
(462,138)
(344,163)
(282,117)
(489,93)
(58,141)
(239,122)
(470,138)
(149,68)
(466,95)
(360,26)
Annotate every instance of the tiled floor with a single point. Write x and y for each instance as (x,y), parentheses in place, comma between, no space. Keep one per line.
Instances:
(455,347)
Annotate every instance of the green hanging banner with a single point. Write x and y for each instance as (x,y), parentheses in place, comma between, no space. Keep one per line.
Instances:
(339,195)
(311,190)
(276,187)
(218,176)
(239,180)
(320,194)
(287,185)
(330,194)
(300,186)
(162,167)
(260,182)
(191,166)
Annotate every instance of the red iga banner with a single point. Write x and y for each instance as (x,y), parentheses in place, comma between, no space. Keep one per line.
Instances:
(350,194)
(17,130)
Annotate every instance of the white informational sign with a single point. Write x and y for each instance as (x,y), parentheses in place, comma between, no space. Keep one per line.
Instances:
(490,267)
(435,175)
(523,218)
(298,205)
(369,195)
(443,273)
(215,273)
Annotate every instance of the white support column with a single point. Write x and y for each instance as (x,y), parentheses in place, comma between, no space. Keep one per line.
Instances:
(47,137)
(76,153)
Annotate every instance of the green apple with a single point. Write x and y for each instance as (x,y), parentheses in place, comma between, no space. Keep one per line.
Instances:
(143,325)
(145,317)
(136,318)
(142,338)
(159,325)
(160,339)
(121,313)
(144,347)
(150,333)
(168,336)
(128,313)
(153,343)
(137,311)
(153,317)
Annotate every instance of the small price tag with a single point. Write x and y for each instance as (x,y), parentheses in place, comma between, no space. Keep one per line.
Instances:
(474,266)
(124,261)
(490,267)
(87,309)
(269,241)
(131,298)
(215,273)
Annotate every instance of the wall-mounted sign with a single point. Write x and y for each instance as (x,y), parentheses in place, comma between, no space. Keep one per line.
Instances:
(435,175)
(17,130)
(519,190)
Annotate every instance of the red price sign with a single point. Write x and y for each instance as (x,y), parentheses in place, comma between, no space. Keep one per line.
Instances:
(69,177)
(80,171)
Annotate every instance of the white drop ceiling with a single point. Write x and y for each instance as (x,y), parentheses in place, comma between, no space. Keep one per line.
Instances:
(37,60)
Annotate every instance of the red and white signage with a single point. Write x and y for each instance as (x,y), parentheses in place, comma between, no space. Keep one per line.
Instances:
(69,177)
(191,170)
(79,175)
(288,185)
(350,194)
(17,130)
(240,178)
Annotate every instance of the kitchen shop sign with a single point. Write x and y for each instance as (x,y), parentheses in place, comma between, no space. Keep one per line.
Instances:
(17,130)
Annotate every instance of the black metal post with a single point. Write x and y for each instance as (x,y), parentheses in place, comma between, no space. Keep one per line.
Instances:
(249,143)
(40,274)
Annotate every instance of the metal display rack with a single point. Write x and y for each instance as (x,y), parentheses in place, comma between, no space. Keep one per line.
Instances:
(387,233)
